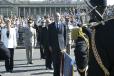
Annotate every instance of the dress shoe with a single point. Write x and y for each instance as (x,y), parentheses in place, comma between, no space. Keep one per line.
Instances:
(29,63)
(11,71)
(49,68)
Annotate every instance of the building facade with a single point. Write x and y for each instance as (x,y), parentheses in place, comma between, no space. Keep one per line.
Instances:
(27,8)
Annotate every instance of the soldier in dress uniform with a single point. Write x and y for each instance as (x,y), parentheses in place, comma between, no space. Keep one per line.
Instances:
(29,37)
(81,51)
(101,59)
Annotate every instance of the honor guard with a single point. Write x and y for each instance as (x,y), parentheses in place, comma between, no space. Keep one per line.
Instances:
(101,59)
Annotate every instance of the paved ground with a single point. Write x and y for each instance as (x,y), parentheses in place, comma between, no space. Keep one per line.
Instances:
(22,69)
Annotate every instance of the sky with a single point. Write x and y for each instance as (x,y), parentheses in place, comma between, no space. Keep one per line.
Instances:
(110,2)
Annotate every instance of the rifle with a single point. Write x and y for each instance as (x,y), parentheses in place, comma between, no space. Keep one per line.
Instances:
(93,9)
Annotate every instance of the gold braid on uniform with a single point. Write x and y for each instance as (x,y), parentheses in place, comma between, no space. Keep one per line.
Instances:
(97,56)
(78,32)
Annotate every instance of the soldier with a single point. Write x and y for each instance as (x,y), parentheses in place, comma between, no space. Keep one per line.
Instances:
(29,37)
(81,39)
(101,59)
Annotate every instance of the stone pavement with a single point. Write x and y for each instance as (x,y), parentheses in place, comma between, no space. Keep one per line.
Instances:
(22,69)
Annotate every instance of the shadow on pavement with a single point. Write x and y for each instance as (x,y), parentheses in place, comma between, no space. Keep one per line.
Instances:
(29,66)
(26,59)
(19,60)
(14,64)
(28,70)
(2,71)
(42,73)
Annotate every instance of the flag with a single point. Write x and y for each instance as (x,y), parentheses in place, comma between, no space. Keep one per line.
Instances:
(68,65)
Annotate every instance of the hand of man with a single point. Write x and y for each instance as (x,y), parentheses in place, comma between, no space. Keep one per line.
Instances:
(64,50)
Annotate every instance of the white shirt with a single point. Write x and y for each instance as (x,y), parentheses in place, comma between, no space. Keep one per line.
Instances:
(10,42)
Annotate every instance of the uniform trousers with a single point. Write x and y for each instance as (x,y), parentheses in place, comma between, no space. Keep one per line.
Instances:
(29,54)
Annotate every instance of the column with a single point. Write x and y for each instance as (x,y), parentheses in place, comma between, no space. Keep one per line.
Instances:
(24,12)
(7,11)
(55,9)
(60,10)
(45,11)
(37,11)
(40,11)
(19,12)
(29,11)
(50,11)
(34,11)
(0,10)
(16,9)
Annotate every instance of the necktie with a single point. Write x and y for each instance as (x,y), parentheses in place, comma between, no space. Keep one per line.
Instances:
(57,25)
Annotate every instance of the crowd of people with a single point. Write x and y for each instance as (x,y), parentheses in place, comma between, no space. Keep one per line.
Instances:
(54,35)
(36,32)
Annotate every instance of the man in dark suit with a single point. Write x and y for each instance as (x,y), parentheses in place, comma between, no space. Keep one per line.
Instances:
(39,38)
(45,43)
(57,37)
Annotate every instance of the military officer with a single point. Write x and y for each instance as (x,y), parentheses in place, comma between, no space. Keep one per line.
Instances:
(29,37)
(81,50)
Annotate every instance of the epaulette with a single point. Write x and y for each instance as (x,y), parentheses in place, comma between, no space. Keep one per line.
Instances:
(79,33)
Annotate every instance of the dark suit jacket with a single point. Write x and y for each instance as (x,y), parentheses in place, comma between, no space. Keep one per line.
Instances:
(39,31)
(53,36)
(44,37)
